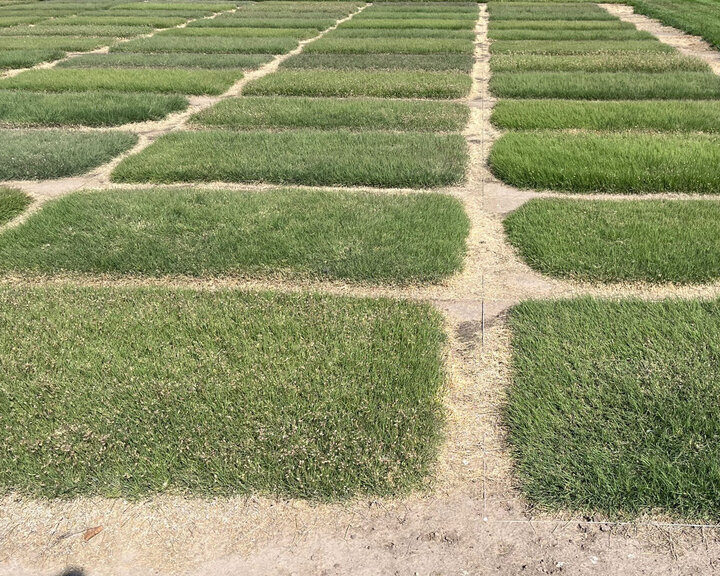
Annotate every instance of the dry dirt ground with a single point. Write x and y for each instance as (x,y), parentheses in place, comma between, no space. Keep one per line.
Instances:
(470,520)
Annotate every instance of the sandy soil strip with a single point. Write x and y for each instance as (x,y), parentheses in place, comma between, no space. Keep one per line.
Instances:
(683,42)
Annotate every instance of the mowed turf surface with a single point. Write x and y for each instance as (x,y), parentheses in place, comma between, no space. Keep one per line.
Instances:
(221,392)
(12,203)
(612,241)
(329,114)
(613,406)
(40,155)
(316,234)
(311,157)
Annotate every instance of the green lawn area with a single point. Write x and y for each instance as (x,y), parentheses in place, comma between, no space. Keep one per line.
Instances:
(618,163)
(19,108)
(427,62)
(290,233)
(330,114)
(39,155)
(611,241)
(697,17)
(125,80)
(610,62)
(607,86)
(309,157)
(225,392)
(338,83)
(12,203)
(167,60)
(613,406)
(665,116)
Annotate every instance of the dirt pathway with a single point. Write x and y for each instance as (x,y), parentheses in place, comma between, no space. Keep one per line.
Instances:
(471,520)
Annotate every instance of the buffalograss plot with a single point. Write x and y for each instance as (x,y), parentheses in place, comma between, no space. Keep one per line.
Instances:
(666,116)
(621,163)
(207,45)
(398,84)
(84,108)
(614,406)
(291,233)
(607,86)
(311,157)
(635,240)
(613,62)
(580,47)
(25,58)
(125,80)
(45,154)
(341,398)
(12,203)
(422,62)
(330,114)
(167,60)
(334,45)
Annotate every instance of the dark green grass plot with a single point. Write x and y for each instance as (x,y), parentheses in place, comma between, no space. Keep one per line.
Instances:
(613,241)
(697,17)
(613,406)
(44,154)
(208,45)
(398,84)
(607,86)
(616,163)
(310,157)
(167,60)
(611,62)
(579,47)
(125,80)
(216,393)
(422,62)
(330,114)
(290,233)
(665,116)
(19,108)
(12,203)
(332,45)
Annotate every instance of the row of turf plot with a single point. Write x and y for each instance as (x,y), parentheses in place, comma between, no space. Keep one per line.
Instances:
(328,126)
(101,89)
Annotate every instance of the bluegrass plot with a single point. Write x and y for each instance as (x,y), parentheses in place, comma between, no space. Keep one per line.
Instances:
(614,406)
(289,233)
(341,398)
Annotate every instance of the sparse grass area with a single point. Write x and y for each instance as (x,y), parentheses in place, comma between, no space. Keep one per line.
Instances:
(45,154)
(562,35)
(84,108)
(331,114)
(606,241)
(613,406)
(208,45)
(222,392)
(666,116)
(615,62)
(26,58)
(607,86)
(12,203)
(332,45)
(423,62)
(167,60)
(292,233)
(622,163)
(398,84)
(579,47)
(176,81)
(316,158)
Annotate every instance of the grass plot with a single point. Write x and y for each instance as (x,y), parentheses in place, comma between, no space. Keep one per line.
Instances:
(639,240)
(40,155)
(427,62)
(291,233)
(614,406)
(315,158)
(620,163)
(611,62)
(216,393)
(12,203)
